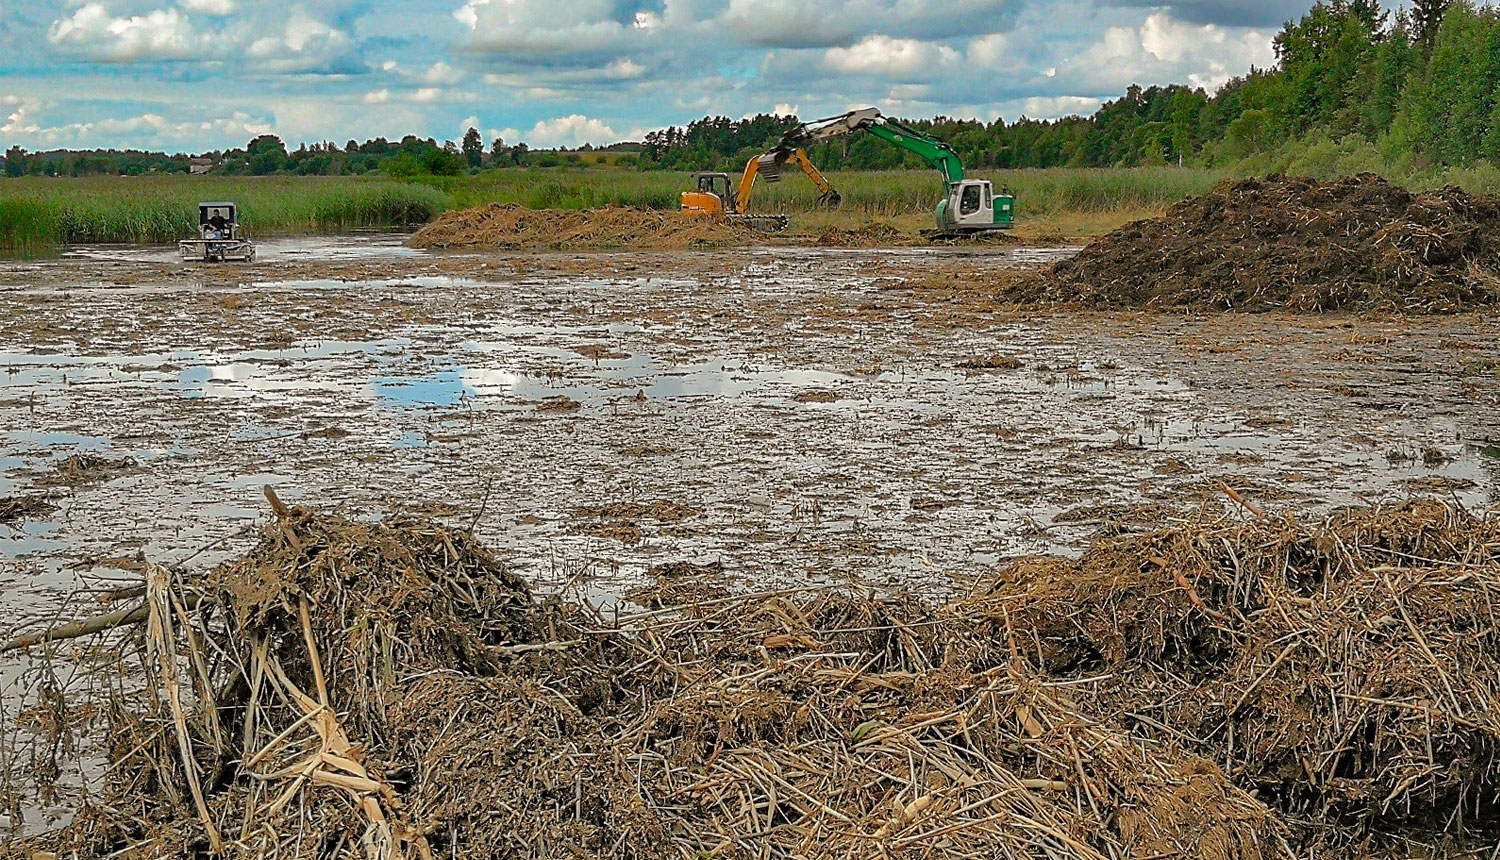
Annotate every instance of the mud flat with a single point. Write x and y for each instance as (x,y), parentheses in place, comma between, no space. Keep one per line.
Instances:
(514,227)
(626,432)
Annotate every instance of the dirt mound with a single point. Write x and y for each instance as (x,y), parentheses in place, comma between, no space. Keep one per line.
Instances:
(1300,244)
(868,236)
(516,227)
(1220,690)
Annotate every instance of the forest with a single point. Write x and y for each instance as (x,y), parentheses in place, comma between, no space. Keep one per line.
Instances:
(1353,84)
(1414,87)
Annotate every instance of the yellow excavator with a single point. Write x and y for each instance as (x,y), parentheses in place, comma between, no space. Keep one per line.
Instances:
(713,195)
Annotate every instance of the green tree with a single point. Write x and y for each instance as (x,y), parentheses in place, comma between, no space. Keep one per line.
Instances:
(1447,110)
(1320,56)
(441,162)
(402,166)
(1426,18)
(473,147)
(267,154)
(15,161)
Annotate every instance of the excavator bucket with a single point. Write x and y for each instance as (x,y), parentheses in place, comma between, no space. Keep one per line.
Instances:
(769,166)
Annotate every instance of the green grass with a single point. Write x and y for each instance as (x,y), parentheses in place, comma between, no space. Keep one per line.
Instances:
(37,212)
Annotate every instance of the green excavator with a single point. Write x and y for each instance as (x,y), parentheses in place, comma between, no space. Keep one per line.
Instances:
(971,205)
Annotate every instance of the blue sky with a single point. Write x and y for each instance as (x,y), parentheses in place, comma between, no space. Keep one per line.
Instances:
(191,75)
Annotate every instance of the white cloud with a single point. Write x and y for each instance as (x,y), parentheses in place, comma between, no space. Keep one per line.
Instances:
(831,23)
(545,26)
(891,58)
(305,45)
(1162,50)
(17,122)
(992,51)
(91,32)
(218,8)
(377,97)
(624,69)
(564,131)
(1039,107)
(442,73)
(149,127)
(427,94)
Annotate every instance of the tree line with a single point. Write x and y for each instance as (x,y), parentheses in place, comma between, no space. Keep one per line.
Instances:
(1419,85)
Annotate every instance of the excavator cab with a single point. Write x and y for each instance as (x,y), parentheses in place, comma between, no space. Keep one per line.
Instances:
(972,205)
(712,195)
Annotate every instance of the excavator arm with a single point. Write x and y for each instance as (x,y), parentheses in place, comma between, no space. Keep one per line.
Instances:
(747,184)
(770,165)
(937,154)
(828,196)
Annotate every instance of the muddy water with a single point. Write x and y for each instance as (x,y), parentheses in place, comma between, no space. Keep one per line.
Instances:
(827,423)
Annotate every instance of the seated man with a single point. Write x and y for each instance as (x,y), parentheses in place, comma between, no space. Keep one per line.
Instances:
(218,226)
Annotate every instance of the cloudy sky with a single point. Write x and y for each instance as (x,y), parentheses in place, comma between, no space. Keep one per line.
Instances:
(190,75)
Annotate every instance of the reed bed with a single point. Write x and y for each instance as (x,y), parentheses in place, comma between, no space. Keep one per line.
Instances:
(38,212)
(888,193)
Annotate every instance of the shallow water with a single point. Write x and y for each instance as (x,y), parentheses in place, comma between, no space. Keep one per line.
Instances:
(268,250)
(818,444)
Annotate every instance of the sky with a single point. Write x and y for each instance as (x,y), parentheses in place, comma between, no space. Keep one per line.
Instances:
(195,75)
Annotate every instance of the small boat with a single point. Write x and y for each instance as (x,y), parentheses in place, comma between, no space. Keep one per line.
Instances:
(219,238)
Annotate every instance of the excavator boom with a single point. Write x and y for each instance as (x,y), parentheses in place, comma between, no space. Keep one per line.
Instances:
(936,153)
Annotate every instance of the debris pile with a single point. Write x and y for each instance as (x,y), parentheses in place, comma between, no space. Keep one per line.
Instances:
(16,508)
(868,236)
(1293,243)
(1220,689)
(514,227)
(82,469)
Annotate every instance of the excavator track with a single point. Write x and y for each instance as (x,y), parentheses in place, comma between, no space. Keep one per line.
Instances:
(948,237)
(761,223)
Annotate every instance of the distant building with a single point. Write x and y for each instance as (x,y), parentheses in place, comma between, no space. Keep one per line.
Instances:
(200,166)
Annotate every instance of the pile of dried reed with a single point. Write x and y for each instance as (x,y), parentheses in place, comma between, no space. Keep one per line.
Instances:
(1222,690)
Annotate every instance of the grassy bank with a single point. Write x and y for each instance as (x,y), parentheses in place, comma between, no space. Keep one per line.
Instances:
(39,212)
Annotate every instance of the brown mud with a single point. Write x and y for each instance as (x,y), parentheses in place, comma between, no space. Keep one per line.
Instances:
(513,227)
(1296,244)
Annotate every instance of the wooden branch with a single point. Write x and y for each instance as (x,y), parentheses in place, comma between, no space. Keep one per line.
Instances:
(1242,501)
(121,617)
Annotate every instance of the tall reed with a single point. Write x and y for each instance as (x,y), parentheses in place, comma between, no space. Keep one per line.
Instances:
(36,211)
